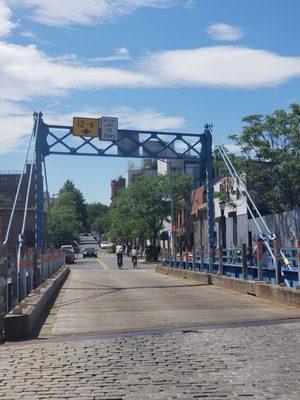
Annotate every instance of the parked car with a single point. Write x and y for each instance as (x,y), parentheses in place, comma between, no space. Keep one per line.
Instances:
(67,247)
(69,253)
(89,252)
(105,244)
(76,247)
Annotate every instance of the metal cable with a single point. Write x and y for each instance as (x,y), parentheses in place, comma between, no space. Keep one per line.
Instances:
(47,190)
(238,180)
(33,134)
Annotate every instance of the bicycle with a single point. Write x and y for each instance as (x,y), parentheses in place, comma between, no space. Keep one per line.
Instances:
(120,260)
(134,261)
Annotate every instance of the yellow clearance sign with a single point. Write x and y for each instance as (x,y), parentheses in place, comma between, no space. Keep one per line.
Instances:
(86,127)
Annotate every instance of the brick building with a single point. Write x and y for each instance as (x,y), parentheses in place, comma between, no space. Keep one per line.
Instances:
(8,187)
(116,186)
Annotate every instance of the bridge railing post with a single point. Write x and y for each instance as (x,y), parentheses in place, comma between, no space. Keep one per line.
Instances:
(244,261)
(260,261)
(22,274)
(298,261)
(12,265)
(277,246)
(3,290)
(186,256)
(194,258)
(221,270)
(30,269)
(202,259)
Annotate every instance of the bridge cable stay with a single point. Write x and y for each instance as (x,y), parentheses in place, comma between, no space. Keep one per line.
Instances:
(271,235)
(47,190)
(21,235)
(241,186)
(32,136)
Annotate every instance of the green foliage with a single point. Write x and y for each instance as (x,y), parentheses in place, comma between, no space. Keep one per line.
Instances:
(271,163)
(79,200)
(180,186)
(142,207)
(97,217)
(67,216)
(101,223)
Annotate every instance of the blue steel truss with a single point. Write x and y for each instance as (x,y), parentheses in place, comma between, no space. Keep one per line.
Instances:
(59,140)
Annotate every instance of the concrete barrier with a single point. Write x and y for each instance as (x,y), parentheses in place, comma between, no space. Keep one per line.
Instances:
(262,290)
(183,273)
(20,322)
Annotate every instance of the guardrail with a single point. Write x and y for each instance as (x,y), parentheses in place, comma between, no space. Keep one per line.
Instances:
(19,275)
(233,262)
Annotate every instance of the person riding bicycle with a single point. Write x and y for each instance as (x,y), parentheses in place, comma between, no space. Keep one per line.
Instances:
(134,254)
(119,252)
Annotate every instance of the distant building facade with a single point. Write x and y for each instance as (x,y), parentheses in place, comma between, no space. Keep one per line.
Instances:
(116,186)
(8,187)
(148,168)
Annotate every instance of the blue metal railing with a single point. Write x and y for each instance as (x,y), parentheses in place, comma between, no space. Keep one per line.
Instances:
(232,266)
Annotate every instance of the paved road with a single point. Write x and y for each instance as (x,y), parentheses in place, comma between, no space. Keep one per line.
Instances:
(96,342)
(260,363)
(99,298)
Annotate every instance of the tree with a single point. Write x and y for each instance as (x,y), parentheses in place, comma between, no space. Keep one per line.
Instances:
(63,223)
(80,204)
(271,148)
(67,216)
(101,223)
(142,207)
(96,212)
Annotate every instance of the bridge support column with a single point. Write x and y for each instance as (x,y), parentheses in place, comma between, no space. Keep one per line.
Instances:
(39,187)
(210,197)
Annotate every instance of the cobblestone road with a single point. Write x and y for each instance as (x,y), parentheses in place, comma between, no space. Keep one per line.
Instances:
(258,362)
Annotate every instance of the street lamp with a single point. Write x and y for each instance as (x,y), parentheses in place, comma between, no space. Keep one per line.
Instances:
(222,205)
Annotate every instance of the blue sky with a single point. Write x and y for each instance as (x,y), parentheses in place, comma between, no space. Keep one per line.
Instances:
(156,64)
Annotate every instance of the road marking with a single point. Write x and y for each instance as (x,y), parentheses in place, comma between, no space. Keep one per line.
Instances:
(102,263)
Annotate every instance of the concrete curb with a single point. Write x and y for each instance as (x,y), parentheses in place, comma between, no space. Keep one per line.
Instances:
(262,290)
(20,322)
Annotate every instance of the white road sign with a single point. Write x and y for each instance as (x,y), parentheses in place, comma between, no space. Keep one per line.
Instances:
(109,128)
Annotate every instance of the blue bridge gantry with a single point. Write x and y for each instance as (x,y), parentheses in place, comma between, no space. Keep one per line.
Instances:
(60,140)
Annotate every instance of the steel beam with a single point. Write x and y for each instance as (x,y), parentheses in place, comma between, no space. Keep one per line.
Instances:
(210,196)
(39,187)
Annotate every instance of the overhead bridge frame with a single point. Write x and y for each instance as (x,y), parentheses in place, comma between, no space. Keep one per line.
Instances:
(59,140)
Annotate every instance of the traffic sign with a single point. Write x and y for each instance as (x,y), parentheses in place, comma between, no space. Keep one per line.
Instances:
(109,128)
(85,126)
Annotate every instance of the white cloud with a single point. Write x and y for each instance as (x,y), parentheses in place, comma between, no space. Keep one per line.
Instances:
(26,72)
(225,32)
(17,125)
(6,25)
(121,54)
(18,121)
(147,119)
(221,66)
(87,12)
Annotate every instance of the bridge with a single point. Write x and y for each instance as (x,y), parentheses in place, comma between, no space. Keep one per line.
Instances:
(195,326)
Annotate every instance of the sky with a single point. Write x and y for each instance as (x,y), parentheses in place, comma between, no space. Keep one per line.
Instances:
(169,65)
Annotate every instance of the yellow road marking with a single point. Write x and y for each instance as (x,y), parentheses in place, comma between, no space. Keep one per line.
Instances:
(102,263)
